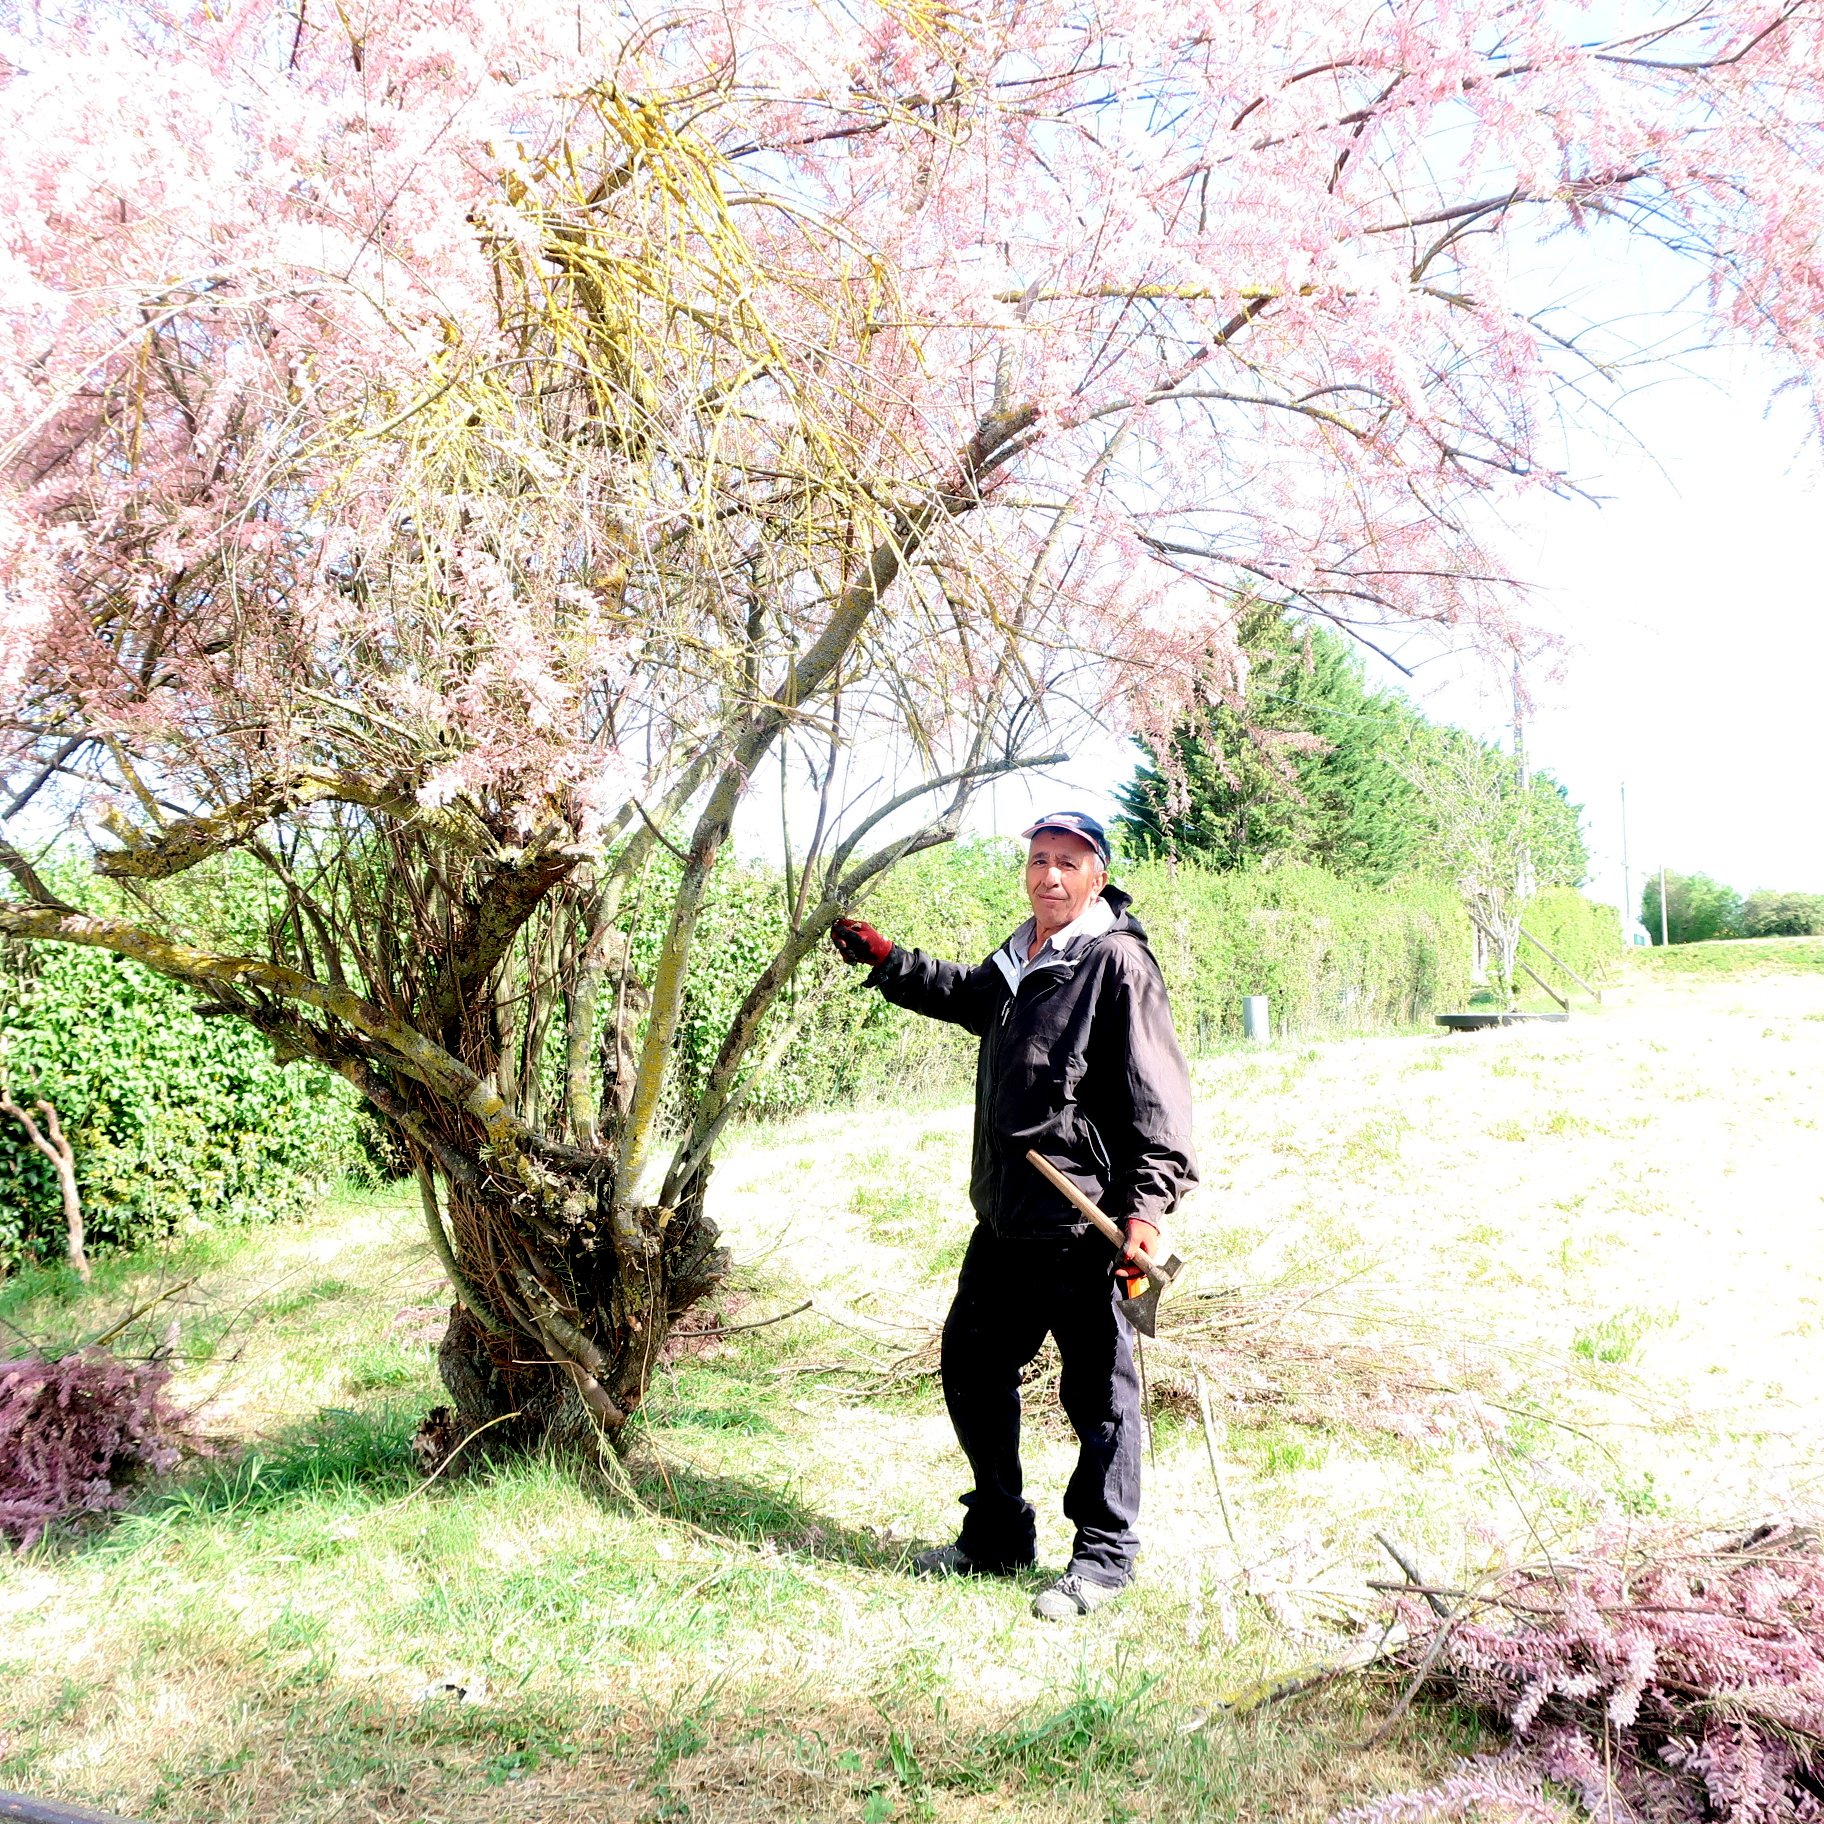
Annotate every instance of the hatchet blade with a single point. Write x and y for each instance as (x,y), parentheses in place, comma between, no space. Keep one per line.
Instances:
(1143,1312)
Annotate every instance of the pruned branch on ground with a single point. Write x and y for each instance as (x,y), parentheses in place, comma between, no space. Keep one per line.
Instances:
(1673,1679)
(74,1432)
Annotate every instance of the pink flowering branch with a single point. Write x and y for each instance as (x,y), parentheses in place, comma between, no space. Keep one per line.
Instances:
(1675,1679)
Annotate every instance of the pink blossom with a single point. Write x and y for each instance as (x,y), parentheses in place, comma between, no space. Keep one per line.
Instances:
(473,374)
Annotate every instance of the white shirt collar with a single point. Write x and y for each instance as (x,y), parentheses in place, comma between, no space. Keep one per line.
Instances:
(1095,919)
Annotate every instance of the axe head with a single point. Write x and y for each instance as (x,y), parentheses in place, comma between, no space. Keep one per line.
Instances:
(1143,1311)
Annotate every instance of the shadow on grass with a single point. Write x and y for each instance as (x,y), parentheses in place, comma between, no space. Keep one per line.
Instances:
(751,1513)
(340,1453)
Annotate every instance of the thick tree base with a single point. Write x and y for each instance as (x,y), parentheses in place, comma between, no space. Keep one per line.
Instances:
(568,1383)
(505,1403)
(511,1394)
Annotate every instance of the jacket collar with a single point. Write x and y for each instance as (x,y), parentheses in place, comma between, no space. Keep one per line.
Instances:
(1097,919)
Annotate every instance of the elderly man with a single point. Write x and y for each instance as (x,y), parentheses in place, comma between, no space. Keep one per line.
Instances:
(1078,1060)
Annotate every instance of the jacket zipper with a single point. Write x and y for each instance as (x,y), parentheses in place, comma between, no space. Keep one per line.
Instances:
(1058,975)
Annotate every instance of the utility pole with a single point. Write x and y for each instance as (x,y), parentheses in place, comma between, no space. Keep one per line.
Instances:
(1627,880)
(1664,940)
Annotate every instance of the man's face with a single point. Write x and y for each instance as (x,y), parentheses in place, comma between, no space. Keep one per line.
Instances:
(1063,874)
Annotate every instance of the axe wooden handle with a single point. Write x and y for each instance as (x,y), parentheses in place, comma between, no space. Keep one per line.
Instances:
(1059,1182)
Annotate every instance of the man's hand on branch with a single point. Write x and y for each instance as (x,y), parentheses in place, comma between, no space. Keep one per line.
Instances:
(859,943)
(1144,1236)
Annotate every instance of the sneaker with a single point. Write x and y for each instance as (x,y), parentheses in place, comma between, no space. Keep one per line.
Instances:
(1072,1596)
(953,1561)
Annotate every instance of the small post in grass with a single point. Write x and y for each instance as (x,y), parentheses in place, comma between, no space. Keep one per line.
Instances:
(1256,1022)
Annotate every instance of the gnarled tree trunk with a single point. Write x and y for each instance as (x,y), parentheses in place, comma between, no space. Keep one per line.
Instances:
(555,1333)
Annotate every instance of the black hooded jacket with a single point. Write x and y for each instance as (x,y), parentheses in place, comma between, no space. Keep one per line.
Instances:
(1080,1062)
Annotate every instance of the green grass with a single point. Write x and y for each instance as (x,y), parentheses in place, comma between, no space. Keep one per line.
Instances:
(1734,956)
(380,1365)
(46,1301)
(262,1599)
(1617,1338)
(293,1299)
(622,1623)
(895,1213)
(723,1626)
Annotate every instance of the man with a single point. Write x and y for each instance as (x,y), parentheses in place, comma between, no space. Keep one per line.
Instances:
(1078,1060)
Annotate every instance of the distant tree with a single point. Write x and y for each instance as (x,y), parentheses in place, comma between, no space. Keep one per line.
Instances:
(1314,765)
(1300,768)
(1782,915)
(1698,909)
(1497,834)
(1561,858)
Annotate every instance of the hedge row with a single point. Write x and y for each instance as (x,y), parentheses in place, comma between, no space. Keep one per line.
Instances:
(180,1121)
(1332,957)
(1583,934)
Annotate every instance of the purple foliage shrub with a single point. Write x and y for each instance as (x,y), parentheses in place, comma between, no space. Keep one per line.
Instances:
(1681,1687)
(73,1431)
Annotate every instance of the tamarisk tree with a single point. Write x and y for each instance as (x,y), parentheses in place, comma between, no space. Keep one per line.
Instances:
(456,455)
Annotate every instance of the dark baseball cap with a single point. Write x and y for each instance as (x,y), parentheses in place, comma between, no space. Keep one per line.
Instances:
(1078,823)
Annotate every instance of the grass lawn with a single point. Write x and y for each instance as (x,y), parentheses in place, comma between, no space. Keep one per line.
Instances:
(1482,1294)
(1736,956)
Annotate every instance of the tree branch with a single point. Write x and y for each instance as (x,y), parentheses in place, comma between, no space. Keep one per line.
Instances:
(52,1144)
(217,975)
(460,1283)
(996,439)
(183,844)
(720,1099)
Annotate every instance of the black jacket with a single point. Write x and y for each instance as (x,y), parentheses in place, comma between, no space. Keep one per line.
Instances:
(1082,1063)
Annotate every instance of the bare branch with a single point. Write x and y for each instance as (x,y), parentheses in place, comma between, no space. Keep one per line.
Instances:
(183,844)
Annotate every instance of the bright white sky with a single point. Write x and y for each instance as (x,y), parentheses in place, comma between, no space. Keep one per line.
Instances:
(1692,604)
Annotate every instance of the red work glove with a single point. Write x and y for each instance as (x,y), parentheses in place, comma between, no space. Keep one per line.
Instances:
(859,943)
(1143,1235)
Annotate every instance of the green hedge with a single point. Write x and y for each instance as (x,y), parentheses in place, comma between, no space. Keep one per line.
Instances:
(178,1122)
(1586,935)
(1331,955)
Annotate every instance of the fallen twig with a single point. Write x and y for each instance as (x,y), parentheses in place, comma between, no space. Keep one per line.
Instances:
(1433,1598)
(132,1317)
(759,1324)
(1209,1445)
(1433,1652)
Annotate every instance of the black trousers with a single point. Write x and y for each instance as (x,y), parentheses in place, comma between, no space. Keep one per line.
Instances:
(1008,1296)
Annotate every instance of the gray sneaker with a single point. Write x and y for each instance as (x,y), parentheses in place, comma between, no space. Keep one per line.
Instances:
(953,1561)
(1072,1596)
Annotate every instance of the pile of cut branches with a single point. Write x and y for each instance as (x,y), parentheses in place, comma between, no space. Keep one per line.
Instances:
(1678,1684)
(1295,1355)
(74,1432)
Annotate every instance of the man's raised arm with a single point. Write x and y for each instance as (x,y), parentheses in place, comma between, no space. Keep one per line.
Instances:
(909,978)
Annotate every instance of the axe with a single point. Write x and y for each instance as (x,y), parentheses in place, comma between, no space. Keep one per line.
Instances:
(1142,1310)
